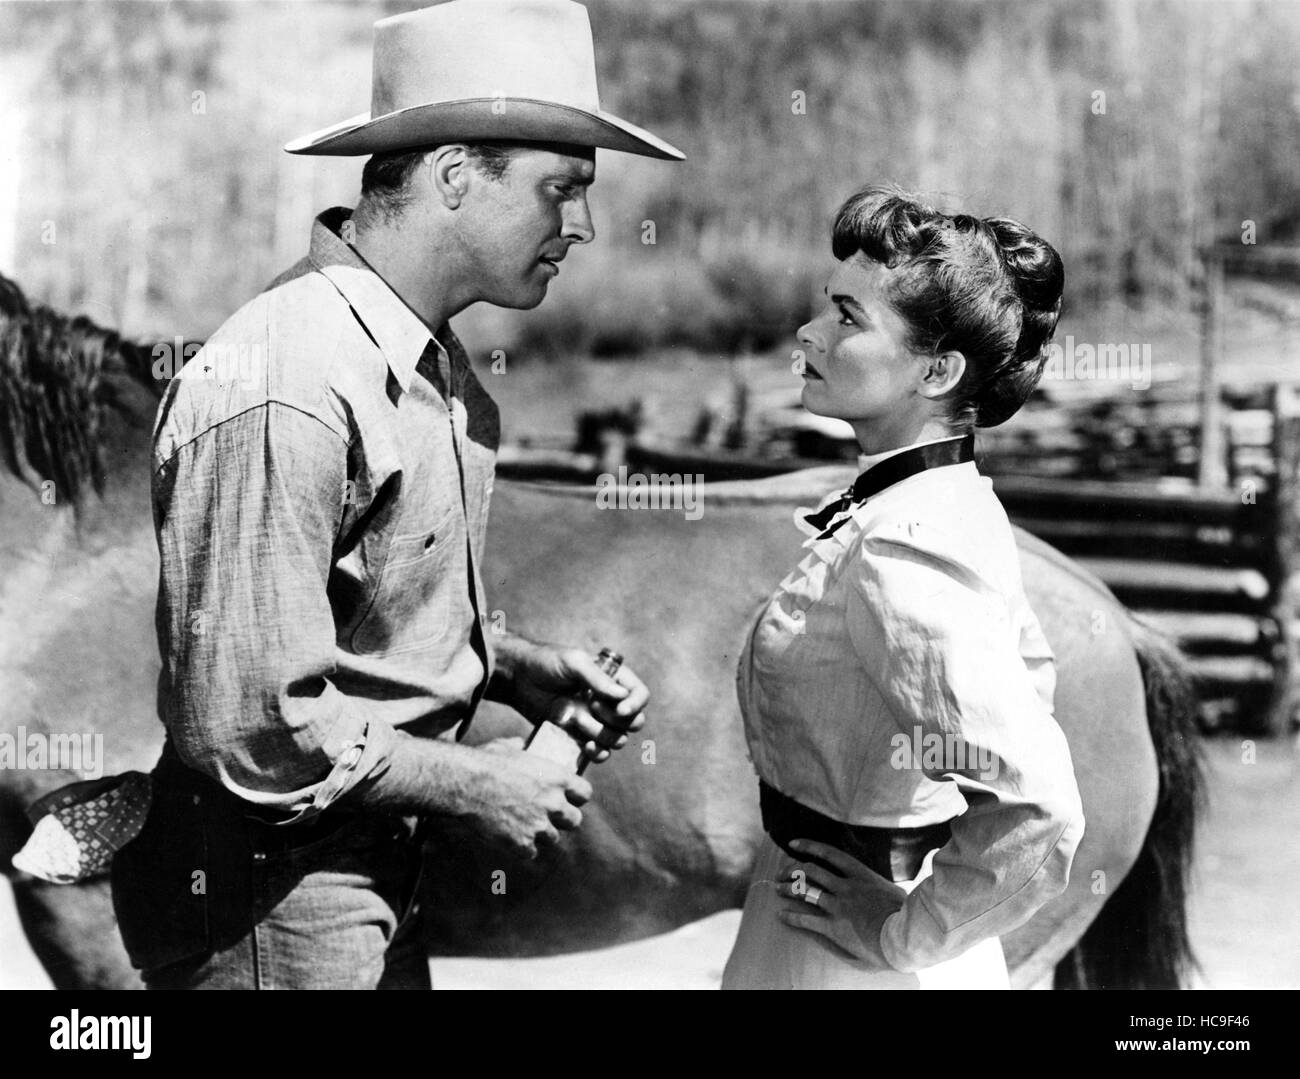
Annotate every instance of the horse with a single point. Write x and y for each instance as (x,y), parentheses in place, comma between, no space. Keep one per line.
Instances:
(671,834)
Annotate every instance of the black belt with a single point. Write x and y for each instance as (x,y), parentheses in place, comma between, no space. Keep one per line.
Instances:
(270,838)
(894,853)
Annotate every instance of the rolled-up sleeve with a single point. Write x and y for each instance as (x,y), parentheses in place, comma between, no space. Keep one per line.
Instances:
(246,516)
(937,641)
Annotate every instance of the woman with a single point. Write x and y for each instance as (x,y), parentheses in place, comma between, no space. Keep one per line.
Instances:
(917,793)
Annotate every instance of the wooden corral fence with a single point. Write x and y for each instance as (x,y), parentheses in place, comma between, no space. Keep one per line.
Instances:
(1215,568)
(1218,569)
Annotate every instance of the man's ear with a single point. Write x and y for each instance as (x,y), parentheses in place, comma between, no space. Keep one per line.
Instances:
(941,374)
(449,172)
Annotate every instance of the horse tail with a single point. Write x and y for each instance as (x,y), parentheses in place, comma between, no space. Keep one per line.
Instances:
(1139,940)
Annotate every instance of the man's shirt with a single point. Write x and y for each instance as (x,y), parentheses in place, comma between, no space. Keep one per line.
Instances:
(321,476)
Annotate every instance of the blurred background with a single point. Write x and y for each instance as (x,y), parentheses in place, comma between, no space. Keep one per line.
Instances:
(142,184)
(1128,133)
(1156,144)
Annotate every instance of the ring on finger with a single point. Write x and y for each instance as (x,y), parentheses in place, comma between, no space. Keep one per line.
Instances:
(812,895)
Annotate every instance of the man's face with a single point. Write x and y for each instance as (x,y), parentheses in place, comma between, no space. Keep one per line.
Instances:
(515,230)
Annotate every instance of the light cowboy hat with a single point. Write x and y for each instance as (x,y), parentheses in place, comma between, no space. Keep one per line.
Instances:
(484,69)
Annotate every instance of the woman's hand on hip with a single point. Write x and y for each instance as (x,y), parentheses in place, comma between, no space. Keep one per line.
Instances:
(847,904)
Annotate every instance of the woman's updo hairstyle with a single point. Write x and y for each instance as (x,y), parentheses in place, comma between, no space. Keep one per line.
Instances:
(987,288)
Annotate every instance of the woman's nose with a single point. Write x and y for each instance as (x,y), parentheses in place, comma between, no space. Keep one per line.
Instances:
(808,337)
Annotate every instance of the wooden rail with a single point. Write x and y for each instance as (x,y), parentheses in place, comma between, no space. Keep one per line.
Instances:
(1217,568)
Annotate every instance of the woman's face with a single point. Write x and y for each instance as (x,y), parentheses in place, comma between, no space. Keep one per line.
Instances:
(857,365)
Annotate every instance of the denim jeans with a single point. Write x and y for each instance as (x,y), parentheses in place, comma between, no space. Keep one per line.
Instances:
(209,897)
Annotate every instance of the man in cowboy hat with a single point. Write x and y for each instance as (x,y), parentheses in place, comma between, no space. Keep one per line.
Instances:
(321,614)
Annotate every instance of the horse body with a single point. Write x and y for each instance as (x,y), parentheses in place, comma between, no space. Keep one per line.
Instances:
(672,831)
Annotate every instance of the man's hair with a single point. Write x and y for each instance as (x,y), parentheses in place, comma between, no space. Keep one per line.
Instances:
(386,177)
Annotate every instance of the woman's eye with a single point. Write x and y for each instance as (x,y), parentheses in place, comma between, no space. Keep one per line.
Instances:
(846,319)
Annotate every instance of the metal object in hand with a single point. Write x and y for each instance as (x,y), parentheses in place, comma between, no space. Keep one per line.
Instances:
(550,737)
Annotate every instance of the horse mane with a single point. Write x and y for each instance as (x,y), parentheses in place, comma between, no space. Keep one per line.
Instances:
(60,376)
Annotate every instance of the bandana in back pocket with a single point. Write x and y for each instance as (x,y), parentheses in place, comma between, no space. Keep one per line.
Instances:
(81,826)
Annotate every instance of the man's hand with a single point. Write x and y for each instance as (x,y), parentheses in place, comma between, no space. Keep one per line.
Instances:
(524,801)
(493,793)
(536,673)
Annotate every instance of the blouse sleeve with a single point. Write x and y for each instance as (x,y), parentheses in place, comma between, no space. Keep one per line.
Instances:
(935,637)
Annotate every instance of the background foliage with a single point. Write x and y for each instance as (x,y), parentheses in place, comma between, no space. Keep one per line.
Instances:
(148,135)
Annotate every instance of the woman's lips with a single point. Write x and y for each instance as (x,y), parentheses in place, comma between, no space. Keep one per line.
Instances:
(809,371)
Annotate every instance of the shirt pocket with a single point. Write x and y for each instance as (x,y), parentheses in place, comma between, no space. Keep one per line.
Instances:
(413,606)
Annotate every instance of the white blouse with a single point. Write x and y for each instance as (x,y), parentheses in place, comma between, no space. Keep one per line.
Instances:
(898,678)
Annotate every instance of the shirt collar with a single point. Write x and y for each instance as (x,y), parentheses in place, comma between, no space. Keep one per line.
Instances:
(886,469)
(883,470)
(868,461)
(398,331)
